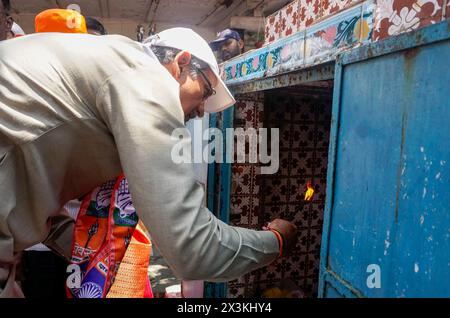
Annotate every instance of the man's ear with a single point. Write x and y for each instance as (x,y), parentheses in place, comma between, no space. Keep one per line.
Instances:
(241,44)
(183,59)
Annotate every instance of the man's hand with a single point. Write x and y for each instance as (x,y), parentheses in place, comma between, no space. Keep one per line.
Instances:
(288,232)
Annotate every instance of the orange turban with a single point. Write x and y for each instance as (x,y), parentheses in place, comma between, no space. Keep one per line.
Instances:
(60,20)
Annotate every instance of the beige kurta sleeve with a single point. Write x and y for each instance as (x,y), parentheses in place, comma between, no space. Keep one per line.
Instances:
(141,107)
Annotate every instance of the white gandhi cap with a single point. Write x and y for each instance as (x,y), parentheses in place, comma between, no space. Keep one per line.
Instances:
(187,40)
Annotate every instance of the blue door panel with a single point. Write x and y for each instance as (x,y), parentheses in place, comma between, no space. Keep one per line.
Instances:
(390,179)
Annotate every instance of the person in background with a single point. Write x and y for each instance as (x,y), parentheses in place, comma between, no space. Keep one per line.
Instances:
(95,27)
(227,45)
(6,21)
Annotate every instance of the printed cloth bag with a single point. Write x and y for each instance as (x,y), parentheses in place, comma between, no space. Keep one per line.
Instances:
(111,247)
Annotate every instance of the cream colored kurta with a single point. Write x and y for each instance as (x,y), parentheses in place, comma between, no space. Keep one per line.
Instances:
(76,110)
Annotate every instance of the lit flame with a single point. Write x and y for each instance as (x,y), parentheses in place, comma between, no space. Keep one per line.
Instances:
(309,192)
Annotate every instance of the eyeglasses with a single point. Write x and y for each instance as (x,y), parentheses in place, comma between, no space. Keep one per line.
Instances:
(209,91)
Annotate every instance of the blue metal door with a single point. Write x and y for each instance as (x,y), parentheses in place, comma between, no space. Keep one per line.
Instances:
(387,215)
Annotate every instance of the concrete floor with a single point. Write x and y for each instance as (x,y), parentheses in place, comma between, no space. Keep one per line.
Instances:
(160,274)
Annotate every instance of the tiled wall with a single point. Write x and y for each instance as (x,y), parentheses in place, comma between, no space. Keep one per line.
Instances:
(309,12)
(356,24)
(330,7)
(294,17)
(245,180)
(300,14)
(319,43)
(304,121)
(282,23)
(392,16)
(398,16)
(245,185)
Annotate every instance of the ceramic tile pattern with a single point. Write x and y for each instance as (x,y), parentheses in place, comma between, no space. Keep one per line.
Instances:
(398,16)
(321,42)
(300,14)
(294,17)
(282,23)
(290,19)
(330,7)
(310,11)
(271,29)
(245,180)
(393,17)
(304,127)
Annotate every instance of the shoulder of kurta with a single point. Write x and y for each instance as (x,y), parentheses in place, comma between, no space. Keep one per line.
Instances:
(151,81)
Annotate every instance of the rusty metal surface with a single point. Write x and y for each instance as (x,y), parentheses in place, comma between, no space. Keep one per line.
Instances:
(309,75)
(411,40)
